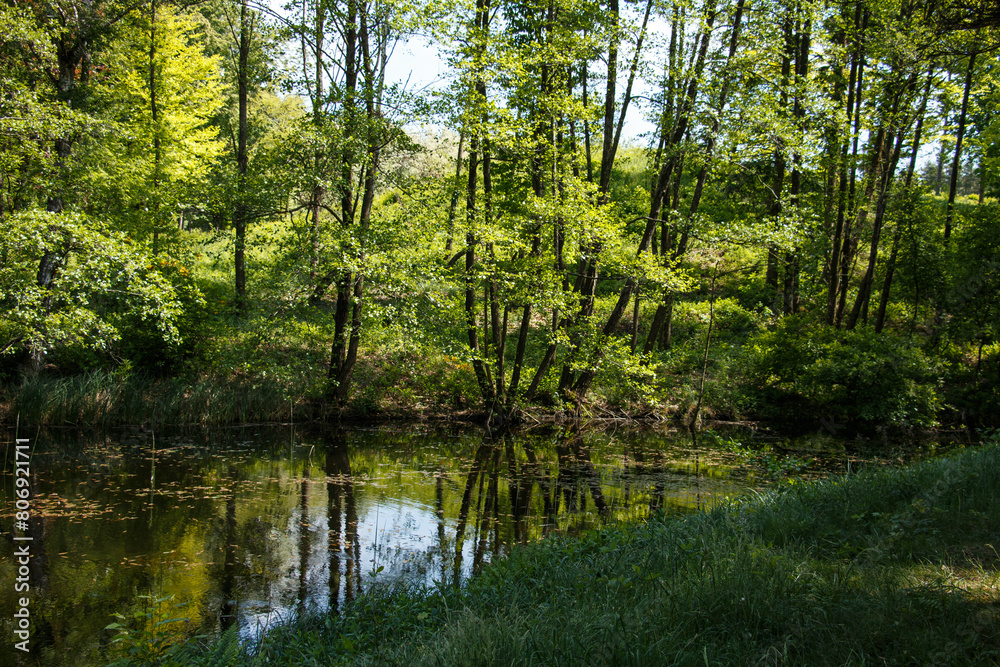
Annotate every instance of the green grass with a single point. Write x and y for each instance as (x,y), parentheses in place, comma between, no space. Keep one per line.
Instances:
(102,398)
(893,566)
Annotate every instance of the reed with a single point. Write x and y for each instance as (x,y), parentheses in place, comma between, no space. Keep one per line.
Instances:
(101,398)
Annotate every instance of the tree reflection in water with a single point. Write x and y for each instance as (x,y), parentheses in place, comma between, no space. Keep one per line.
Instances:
(254,529)
(342,521)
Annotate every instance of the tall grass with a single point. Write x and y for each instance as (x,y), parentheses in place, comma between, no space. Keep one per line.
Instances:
(886,567)
(102,398)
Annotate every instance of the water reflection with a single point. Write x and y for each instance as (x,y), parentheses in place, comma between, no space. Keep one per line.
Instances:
(344,545)
(250,528)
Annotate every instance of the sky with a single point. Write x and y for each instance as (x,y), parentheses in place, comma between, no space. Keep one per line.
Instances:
(419,64)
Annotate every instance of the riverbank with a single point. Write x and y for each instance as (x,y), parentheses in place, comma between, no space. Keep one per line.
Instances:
(107,399)
(893,566)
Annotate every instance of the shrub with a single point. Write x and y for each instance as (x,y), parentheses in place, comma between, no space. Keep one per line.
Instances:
(145,346)
(813,371)
(731,319)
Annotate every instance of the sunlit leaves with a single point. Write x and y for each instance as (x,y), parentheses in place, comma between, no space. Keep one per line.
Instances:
(30,116)
(101,277)
(142,184)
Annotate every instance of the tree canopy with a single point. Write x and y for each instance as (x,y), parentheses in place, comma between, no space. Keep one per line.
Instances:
(824,171)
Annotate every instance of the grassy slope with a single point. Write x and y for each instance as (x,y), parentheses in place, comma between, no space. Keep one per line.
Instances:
(887,567)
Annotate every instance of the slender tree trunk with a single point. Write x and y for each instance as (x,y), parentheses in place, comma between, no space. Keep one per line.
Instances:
(607,157)
(841,238)
(455,193)
(887,167)
(241,213)
(471,242)
(635,321)
(849,243)
(800,47)
(155,117)
(891,265)
(318,191)
(832,167)
(680,129)
(957,161)
(942,153)
(873,178)
(664,311)
(586,127)
(352,285)
(582,384)
(777,186)
(613,130)
(346,278)
(696,413)
(861,302)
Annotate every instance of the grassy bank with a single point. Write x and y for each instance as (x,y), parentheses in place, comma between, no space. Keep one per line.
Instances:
(103,398)
(893,566)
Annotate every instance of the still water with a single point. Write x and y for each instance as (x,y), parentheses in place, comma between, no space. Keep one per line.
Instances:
(252,526)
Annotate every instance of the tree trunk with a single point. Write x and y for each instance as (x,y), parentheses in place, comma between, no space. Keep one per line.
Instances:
(942,152)
(841,237)
(777,185)
(318,191)
(155,117)
(891,265)
(849,243)
(861,302)
(957,161)
(471,327)
(887,167)
(612,138)
(665,310)
(338,371)
(582,384)
(800,47)
(455,193)
(241,213)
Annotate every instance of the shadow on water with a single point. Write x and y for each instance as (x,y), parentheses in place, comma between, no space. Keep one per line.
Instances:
(250,527)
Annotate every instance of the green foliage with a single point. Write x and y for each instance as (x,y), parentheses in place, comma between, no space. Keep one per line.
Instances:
(100,279)
(147,638)
(143,349)
(267,183)
(733,322)
(148,171)
(804,371)
(973,292)
(289,352)
(32,118)
(359,230)
(774,465)
(147,635)
(396,379)
(626,379)
(225,651)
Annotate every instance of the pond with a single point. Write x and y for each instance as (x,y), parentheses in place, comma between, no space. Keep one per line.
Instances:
(251,526)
